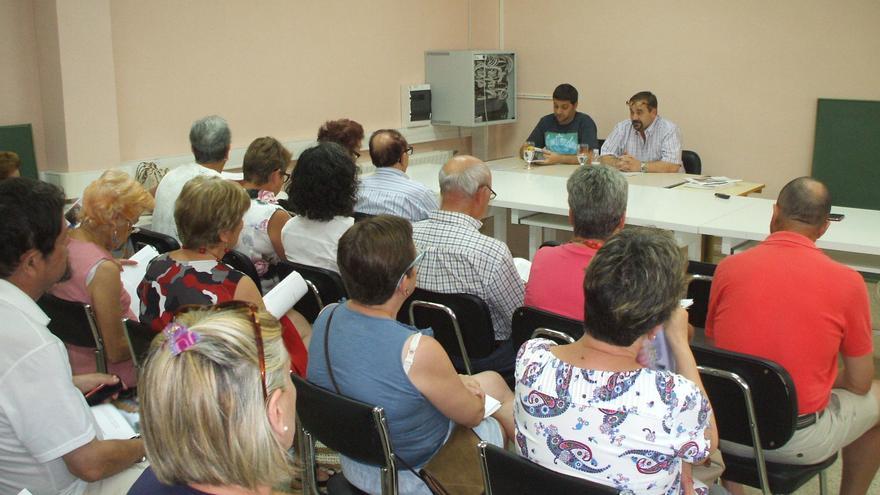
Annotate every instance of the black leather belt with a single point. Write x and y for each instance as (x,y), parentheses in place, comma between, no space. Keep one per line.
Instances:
(806,420)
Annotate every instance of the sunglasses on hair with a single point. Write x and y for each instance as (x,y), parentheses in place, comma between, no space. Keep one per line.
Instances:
(255,323)
(410,266)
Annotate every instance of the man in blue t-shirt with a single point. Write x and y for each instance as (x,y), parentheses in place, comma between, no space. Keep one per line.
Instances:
(560,133)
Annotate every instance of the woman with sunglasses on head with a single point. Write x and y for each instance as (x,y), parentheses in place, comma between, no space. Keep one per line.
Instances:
(209,214)
(361,351)
(225,422)
(265,172)
(111,205)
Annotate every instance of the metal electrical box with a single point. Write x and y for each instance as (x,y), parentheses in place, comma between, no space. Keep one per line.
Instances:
(471,88)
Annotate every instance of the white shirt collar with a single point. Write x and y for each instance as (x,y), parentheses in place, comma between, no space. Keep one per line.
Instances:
(16,298)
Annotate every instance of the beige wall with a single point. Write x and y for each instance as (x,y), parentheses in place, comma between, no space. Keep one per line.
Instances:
(741,78)
(280,69)
(20,82)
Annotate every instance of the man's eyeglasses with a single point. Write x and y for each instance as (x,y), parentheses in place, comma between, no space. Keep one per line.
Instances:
(492,194)
(255,323)
(412,265)
(409,151)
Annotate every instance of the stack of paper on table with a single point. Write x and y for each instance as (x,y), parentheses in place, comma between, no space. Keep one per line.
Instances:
(710,182)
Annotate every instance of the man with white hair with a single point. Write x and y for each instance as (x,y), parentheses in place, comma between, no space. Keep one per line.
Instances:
(209,139)
(459,259)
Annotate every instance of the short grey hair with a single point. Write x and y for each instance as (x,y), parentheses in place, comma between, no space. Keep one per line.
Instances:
(467,181)
(597,197)
(210,138)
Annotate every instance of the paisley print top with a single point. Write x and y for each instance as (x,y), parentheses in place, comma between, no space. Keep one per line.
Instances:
(630,429)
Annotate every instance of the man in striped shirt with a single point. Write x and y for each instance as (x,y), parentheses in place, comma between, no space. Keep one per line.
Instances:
(644,143)
(390,191)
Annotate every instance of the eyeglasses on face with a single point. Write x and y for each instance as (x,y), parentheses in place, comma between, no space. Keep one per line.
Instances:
(410,266)
(255,323)
(409,150)
(492,193)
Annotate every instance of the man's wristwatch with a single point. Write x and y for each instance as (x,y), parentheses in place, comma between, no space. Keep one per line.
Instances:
(644,167)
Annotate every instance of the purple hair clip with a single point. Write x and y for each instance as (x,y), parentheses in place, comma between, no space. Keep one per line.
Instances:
(180,337)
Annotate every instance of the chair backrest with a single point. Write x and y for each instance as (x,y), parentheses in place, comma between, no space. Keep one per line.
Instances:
(162,242)
(325,287)
(350,427)
(75,323)
(237,260)
(527,321)
(691,161)
(358,216)
(139,337)
(769,386)
(461,322)
(599,143)
(506,472)
(698,290)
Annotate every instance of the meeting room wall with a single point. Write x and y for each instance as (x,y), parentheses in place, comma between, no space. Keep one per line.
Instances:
(740,78)
(278,68)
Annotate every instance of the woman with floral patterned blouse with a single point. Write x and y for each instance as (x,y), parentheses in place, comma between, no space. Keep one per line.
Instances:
(589,409)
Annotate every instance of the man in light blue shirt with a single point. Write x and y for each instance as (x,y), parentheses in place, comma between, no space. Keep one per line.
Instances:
(646,142)
(390,191)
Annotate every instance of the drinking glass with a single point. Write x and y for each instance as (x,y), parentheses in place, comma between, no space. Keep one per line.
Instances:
(595,159)
(583,153)
(529,153)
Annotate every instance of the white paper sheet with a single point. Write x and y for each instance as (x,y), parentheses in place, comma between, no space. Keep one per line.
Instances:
(285,294)
(112,423)
(491,405)
(523,267)
(133,274)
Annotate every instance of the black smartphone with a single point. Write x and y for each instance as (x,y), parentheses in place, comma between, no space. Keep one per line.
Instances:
(103,392)
(835,217)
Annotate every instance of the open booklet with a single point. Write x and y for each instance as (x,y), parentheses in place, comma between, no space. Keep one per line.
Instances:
(114,423)
(657,351)
(133,274)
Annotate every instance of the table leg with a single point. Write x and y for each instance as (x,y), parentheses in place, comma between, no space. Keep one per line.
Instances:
(534,240)
(499,225)
(693,242)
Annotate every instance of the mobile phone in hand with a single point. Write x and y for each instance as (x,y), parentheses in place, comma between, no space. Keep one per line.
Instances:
(103,392)
(835,217)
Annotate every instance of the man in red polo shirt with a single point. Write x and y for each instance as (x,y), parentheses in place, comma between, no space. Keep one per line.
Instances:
(786,301)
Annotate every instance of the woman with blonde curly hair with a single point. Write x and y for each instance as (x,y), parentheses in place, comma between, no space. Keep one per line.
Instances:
(111,206)
(218,408)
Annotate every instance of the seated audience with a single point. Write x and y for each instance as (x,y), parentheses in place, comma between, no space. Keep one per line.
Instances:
(218,426)
(589,409)
(209,215)
(209,138)
(596,210)
(111,205)
(390,191)
(322,193)
(265,172)
(49,443)
(787,301)
(372,357)
(646,142)
(344,132)
(10,165)
(458,258)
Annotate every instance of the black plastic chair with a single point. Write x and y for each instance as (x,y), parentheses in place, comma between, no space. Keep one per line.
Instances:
(163,243)
(75,323)
(698,289)
(739,386)
(352,428)
(461,323)
(692,162)
(358,216)
(599,143)
(139,337)
(505,472)
(325,287)
(529,323)
(237,260)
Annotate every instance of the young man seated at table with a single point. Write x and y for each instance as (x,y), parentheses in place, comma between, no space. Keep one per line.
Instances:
(560,132)
(644,143)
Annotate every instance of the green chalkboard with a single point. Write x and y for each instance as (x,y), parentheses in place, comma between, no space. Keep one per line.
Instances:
(846,154)
(20,139)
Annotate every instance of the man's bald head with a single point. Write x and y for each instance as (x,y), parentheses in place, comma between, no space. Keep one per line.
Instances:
(464,175)
(387,147)
(805,200)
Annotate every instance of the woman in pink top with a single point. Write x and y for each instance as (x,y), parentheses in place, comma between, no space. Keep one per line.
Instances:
(111,205)
(596,210)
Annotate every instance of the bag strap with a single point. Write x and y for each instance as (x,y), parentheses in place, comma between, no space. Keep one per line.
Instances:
(336,386)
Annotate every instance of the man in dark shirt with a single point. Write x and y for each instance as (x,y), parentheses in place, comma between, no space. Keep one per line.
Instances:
(560,133)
